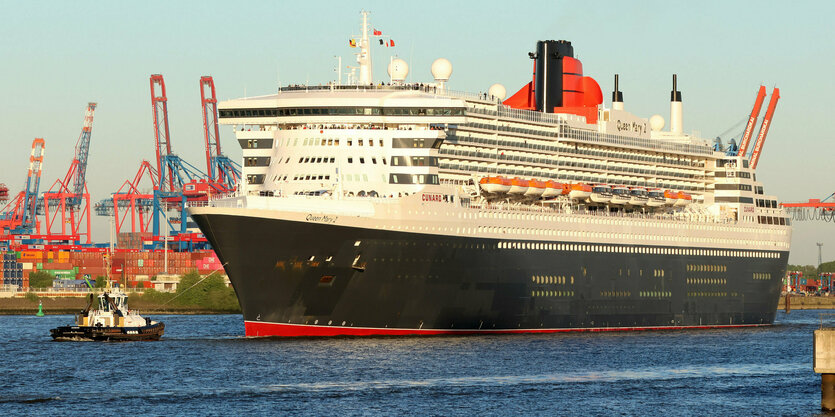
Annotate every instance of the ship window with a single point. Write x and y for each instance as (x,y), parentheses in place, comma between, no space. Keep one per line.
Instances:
(362,160)
(350,160)
(359,142)
(318,160)
(350,141)
(333,159)
(381,142)
(373,160)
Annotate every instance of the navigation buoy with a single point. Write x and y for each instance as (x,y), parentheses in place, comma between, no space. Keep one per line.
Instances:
(40,309)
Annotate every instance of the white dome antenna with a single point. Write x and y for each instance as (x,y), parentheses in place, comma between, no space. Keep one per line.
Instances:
(398,70)
(656,122)
(441,71)
(497,91)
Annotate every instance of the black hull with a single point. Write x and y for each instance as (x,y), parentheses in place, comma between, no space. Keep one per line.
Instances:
(304,278)
(108,334)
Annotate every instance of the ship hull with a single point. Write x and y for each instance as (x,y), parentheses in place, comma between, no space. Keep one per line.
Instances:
(297,278)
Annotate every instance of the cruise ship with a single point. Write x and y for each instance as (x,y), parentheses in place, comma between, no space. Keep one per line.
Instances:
(404,208)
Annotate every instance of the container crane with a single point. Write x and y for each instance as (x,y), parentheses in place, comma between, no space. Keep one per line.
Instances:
(752,122)
(769,114)
(131,203)
(69,196)
(223,173)
(19,216)
(174,173)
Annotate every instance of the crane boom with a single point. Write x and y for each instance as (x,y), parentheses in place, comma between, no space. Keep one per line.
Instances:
(752,122)
(769,113)
(161,133)
(211,133)
(33,181)
(82,149)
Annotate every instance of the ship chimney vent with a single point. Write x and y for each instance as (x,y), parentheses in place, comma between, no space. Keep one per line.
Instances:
(617,96)
(676,122)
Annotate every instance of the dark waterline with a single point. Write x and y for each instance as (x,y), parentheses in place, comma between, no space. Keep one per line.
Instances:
(205,366)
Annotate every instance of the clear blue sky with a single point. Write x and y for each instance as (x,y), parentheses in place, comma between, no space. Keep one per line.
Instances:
(57,56)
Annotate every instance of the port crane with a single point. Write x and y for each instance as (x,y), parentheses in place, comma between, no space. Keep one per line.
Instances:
(68,199)
(19,216)
(223,173)
(174,173)
(129,202)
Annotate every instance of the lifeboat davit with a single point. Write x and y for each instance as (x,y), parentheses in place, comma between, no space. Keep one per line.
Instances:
(518,186)
(638,197)
(535,188)
(552,189)
(670,198)
(495,185)
(683,199)
(620,195)
(601,193)
(579,191)
(656,198)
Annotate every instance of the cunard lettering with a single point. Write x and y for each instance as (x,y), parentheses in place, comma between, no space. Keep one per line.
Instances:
(321,218)
(431,197)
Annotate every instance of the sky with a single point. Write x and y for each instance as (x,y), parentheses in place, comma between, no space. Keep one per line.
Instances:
(57,56)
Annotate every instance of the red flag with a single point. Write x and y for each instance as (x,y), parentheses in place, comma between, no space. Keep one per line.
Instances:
(377,32)
(391,42)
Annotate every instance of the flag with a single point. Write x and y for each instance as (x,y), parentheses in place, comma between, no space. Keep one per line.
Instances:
(391,42)
(352,43)
(377,32)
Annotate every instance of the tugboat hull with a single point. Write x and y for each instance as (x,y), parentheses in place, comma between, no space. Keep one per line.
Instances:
(108,334)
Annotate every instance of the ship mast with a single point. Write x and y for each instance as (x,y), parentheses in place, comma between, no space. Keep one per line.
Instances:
(364,56)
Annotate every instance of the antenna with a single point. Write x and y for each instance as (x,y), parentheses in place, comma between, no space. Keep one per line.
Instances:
(820,258)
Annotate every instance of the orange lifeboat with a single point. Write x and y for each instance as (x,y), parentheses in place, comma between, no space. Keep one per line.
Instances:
(683,199)
(494,184)
(518,186)
(670,198)
(579,191)
(535,188)
(552,189)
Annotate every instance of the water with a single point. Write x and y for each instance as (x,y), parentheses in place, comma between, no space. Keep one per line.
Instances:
(204,366)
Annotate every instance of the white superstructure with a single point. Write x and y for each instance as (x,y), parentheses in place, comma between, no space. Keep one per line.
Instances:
(411,156)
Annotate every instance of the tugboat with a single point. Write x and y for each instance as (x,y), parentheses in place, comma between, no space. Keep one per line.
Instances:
(111,321)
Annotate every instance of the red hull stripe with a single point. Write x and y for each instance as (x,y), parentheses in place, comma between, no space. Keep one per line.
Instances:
(263,329)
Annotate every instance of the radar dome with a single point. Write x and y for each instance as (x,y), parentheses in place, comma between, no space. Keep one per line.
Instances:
(398,69)
(656,123)
(498,91)
(441,69)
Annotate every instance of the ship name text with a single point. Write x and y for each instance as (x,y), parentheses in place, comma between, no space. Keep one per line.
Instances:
(321,218)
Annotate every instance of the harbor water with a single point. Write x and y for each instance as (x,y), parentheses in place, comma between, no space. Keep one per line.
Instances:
(204,366)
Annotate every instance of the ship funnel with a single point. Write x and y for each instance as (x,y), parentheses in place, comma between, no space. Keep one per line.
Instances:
(675,108)
(558,76)
(617,96)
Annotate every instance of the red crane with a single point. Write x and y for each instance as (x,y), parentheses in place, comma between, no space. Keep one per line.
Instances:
(69,197)
(223,174)
(159,103)
(769,114)
(752,122)
(19,216)
(129,202)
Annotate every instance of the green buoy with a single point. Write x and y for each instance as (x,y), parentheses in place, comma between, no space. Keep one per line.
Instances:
(40,309)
